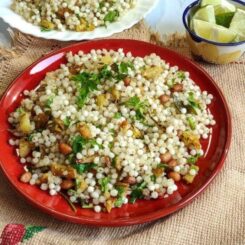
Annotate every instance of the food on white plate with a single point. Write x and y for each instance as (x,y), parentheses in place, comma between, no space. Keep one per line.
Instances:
(80,16)
(219,21)
(108,128)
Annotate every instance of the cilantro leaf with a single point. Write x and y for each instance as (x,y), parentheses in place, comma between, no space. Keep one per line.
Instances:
(137,192)
(105,73)
(87,82)
(67,122)
(194,104)
(192,123)
(117,115)
(153,178)
(181,75)
(44,29)
(49,101)
(121,193)
(122,70)
(163,165)
(84,167)
(139,106)
(193,159)
(78,143)
(104,184)
(111,16)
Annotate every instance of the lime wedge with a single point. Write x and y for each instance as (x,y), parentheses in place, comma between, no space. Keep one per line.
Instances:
(210,2)
(206,13)
(213,32)
(238,24)
(224,7)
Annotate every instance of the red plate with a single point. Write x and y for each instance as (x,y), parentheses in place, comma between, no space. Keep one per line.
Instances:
(216,147)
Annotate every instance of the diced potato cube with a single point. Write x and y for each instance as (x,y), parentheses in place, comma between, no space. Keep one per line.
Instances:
(24,148)
(152,72)
(25,123)
(47,24)
(107,59)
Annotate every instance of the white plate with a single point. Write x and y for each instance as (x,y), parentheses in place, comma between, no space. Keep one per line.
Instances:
(142,8)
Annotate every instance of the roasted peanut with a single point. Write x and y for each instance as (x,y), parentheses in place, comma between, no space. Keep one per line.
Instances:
(175,176)
(179,133)
(66,184)
(65,148)
(124,126)
(129,180)
(25,177)
(172,163)
(107,161)
(127,81)
(164,99)
(166,157)
(177,87)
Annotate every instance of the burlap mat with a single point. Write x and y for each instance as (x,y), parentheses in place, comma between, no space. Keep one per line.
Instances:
(216,217)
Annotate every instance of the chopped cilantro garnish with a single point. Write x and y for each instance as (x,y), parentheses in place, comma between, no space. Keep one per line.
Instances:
(43,29)
(153,178)
(105,73)
(30,137)
(78,143)
(192,123)
(193,159)
(194,104)
(111,16)
(84,167)
(67,122)
(137,192)
(139,106)
(163,165)
(93,142)
(122,70)
(104,184)
(117,115)
(181,75)
(87,206)
(120,199)
(20,110)
(87,83)
(49,101)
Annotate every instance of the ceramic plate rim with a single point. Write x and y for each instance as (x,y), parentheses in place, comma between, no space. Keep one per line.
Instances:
(131,18)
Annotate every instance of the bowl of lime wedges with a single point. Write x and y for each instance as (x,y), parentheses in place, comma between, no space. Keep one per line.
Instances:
(215,30)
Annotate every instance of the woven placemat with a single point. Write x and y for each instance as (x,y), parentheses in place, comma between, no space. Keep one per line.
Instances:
(216,217)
